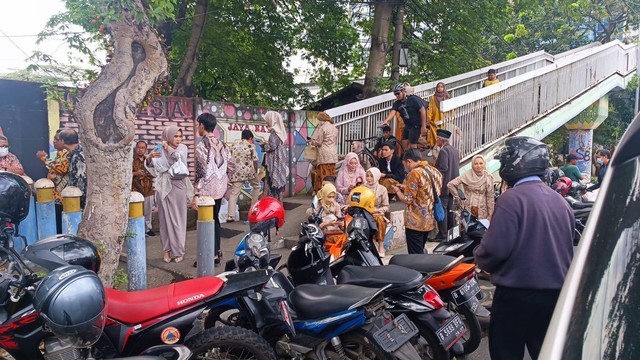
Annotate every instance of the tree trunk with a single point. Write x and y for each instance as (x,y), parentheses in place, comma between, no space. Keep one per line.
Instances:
(106,116)
(379,47)
(184,82)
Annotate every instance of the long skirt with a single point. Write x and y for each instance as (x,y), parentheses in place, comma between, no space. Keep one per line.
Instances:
(172,214)
(387,183)
(320,172)
(381,223)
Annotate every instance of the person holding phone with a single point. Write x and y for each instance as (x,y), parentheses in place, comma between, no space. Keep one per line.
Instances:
(350,174)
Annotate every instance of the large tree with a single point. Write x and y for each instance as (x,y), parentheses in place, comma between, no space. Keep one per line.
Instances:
(107,110)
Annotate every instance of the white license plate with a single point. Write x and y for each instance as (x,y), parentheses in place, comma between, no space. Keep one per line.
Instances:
(451,331)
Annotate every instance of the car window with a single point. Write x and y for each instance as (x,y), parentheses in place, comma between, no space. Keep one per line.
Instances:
(605,318)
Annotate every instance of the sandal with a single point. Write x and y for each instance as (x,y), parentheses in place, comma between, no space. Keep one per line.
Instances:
(230,220)
(166,257)
(179,259)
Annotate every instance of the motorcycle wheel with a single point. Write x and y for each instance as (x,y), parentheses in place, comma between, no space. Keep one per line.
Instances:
(361,346)
(473,337)
(227,342)
(427,344)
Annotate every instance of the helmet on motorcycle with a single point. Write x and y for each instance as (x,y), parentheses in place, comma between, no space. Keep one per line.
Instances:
(66,249)
(266,213)
(362,197)
(551,175)
(72,303)
(522,156)
(562,186)
(14,198)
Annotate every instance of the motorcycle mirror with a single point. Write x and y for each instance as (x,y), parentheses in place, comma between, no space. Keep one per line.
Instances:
(314,202)
(461,194)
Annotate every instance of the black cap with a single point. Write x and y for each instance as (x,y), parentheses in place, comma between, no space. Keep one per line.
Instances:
(572,157)
(444,134)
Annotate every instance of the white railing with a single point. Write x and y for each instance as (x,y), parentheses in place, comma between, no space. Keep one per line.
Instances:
(485,116)
(361,119)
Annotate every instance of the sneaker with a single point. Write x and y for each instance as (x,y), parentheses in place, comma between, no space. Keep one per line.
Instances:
(150,233)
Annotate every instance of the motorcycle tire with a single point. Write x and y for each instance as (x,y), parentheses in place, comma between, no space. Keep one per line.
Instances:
(472,341)
(361,345)
(229,342)
(429,347)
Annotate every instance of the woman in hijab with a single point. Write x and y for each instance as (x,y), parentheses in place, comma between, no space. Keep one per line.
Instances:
(434,115)
(172,195)
(331,211)
(478,188)
(325,138)
(275,157)
(350,174)
(380,207)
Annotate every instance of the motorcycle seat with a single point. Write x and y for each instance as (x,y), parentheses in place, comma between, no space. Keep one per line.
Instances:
(137,306)
(581,205)
(401,278)
(424,263)
(312,301)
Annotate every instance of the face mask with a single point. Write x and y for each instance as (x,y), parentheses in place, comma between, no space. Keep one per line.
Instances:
(4,151)
(599,161)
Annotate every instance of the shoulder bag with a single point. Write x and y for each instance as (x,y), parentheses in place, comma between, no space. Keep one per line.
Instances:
(178,169)
(438,209)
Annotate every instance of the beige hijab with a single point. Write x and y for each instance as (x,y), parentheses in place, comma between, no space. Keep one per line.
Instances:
(473,179)
(375,172)
(274,120)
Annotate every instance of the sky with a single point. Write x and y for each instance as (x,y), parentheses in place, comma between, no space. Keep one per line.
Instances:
(20,22)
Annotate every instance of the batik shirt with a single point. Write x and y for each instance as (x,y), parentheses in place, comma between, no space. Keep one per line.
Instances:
(244,155)
(9,161)
(419,193)
(78,172)
(142,184)
(58,168)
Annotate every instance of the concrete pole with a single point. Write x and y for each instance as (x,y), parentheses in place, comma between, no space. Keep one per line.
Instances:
(635,109)
(136,244)
(397,44)
(29,226)
(206,236)
(71,212)
(45,208)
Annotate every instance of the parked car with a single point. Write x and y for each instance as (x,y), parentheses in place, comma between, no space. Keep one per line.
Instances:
(597,314)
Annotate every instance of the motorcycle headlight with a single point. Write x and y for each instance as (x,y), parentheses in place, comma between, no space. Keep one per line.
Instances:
(258,245)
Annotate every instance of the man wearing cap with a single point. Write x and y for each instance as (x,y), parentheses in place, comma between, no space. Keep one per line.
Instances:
(386,138)
(571,170)
(448,163)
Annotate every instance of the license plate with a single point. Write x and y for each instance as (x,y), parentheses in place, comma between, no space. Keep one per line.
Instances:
(396,333)
(451,331)
(465,292)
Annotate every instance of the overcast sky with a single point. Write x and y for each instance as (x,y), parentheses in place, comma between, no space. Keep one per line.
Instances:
(20,22)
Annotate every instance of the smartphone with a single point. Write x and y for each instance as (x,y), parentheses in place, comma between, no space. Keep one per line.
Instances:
(159,147)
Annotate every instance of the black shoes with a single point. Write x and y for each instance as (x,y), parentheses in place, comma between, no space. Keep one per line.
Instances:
(151,233)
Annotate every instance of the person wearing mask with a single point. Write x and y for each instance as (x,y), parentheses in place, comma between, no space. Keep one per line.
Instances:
(275,157)
(212,165)
(172,195)
(77,167)
(245,158)
(434,115)
(448,163)
(57,169)
(414,115)
(324,139)
(8,161)
(527,249)
(602,158)
(571,169)
(417,194)
(380,207)
(477,185)
(142,182)
(351,174)
(391,168)
(491,78)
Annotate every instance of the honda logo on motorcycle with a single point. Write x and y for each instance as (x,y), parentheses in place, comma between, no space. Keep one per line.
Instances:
(190,299)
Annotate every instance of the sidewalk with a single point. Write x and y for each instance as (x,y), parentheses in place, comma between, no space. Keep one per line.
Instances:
(160,273)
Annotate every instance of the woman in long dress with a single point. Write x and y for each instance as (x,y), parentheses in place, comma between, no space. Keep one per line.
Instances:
(380,207)
(477,184)
(324,138)
(275,157)
(172,195)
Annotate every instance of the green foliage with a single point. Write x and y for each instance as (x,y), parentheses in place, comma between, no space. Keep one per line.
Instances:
(120,278)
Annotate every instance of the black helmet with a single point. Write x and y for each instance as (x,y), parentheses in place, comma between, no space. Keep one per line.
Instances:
(552,175)
(14,198)
(522,156)
(66,249)
(72,303)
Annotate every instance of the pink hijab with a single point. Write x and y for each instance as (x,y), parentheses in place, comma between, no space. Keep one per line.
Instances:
(348,178)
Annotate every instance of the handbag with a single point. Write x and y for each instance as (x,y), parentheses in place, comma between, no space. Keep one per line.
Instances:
(438,209)
(178,169)
(310,153)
